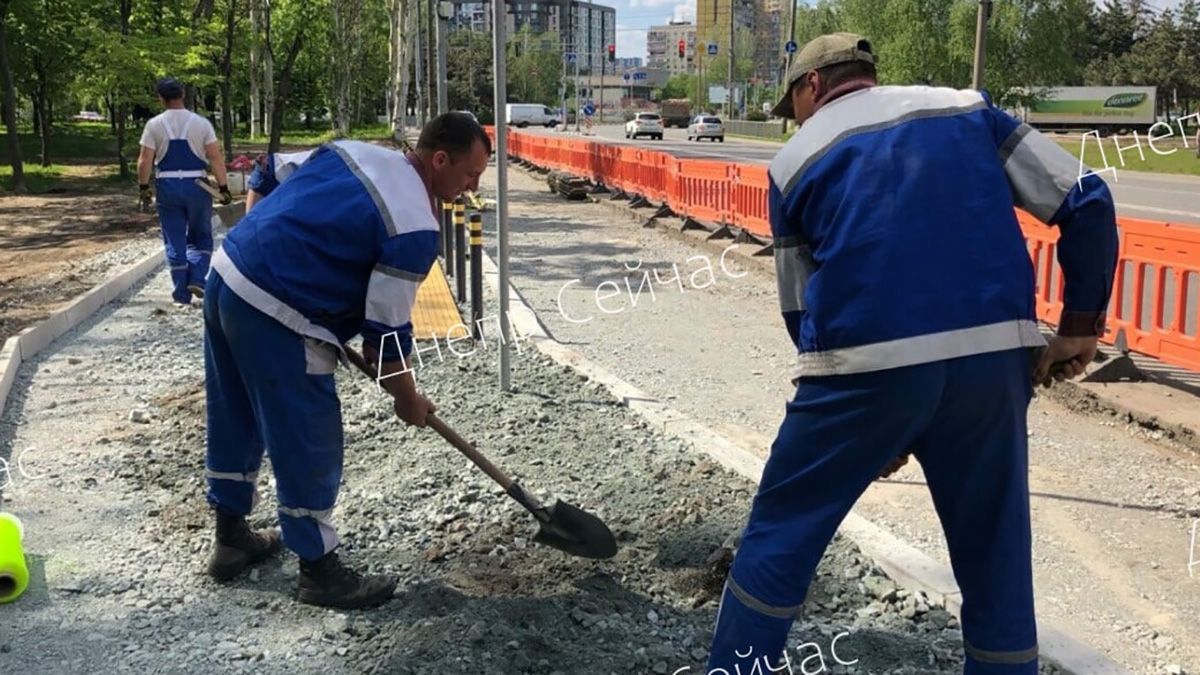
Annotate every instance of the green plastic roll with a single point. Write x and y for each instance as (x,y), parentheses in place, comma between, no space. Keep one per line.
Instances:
(14,575)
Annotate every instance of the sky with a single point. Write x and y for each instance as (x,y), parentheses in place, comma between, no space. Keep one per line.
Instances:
(635,16)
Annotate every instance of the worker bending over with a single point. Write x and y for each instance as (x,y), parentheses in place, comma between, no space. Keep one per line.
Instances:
(180,145)
(906,286)
(270,170)
(337,250)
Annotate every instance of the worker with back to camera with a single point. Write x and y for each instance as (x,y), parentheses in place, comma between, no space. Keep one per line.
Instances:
(179,145)
(906,285)
(337,250)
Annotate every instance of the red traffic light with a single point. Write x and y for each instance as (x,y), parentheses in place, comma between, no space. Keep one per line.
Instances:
(612,53)
(682,48)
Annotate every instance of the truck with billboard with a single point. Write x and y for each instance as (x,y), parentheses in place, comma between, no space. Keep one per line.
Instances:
(1108,110)
(676,112)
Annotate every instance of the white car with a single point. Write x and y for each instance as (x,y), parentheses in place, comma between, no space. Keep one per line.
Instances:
(524,114)
(645,124)
(706,126)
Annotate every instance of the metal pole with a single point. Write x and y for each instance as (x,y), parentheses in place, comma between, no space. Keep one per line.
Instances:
(448,236)
(498,42)
(729,78)
(985,12)
(791,38)
(603,68)
(476,274)
(431,59)
(460,247)
(442,49)
(418,65)
(578,113)
(563,83)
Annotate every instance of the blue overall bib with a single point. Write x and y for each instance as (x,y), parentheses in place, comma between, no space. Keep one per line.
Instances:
(184,213)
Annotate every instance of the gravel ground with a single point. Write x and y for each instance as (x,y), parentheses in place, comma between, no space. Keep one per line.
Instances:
(108,423)
(1112,508)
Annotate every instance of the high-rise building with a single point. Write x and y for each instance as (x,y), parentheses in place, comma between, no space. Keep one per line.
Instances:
(625,63)
(585,28)
(763,18)
(662,47)
(712,24)
(768,37)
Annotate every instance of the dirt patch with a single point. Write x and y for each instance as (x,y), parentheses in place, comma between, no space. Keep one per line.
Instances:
(46,238)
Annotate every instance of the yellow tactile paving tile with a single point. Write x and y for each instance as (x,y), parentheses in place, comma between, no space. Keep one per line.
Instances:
(434,313)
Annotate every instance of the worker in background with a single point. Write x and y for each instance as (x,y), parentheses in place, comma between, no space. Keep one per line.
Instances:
(907,288)
(180,145)
(270,170)
(339,249)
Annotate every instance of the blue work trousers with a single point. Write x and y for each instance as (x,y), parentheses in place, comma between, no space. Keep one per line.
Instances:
(185,216)
(965,421)
(271,389)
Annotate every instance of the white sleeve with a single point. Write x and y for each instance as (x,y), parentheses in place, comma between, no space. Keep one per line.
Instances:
(149,135)
(210,134)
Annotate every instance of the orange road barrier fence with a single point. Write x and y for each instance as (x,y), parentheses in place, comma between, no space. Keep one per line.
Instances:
(1156,291)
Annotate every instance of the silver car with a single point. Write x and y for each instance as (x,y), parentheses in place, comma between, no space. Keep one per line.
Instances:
(645,124)
(706,126)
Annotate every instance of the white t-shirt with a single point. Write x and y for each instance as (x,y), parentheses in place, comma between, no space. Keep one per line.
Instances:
(171,124)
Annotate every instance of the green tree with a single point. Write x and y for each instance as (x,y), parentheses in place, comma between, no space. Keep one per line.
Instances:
(535,66)
(678,86)
(45,48)
(469,73)
(10,103)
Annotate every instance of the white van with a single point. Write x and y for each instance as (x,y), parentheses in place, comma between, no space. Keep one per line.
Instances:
(525,114)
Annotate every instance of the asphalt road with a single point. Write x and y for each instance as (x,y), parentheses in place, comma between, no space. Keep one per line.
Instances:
(1171,198)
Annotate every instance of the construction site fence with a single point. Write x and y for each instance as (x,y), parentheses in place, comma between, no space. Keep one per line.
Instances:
(1156,291)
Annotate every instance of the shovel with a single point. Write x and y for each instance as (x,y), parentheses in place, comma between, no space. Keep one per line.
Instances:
(563,526)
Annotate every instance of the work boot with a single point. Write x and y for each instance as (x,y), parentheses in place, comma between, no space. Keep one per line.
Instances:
(197,290)
(238,547)
(328,583)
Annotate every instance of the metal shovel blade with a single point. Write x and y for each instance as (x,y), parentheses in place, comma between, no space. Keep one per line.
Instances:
(572,530)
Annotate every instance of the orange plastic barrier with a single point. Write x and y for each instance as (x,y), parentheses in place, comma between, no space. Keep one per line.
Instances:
(1156,295)
(1156,289)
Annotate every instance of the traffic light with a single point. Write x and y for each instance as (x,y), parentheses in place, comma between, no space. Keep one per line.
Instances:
(612,53)
(682,48)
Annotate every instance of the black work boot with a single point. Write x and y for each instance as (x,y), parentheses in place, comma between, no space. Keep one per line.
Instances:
(238,547)
(328,583)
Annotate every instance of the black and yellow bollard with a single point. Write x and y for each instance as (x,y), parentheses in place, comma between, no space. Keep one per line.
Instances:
(476,274)
(460,247)
(447,234)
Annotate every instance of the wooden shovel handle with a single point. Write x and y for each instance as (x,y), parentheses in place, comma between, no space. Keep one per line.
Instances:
(442,428)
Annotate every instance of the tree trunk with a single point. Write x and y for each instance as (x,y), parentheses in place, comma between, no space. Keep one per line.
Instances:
(42,107)
(346,19)
(255,71)
(226,69)
(122,110)
(10,106)
(268,73)
(285,89)
(400,73)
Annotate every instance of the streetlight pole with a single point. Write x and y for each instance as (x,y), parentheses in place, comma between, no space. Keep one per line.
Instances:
(500,99)
(985,13)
